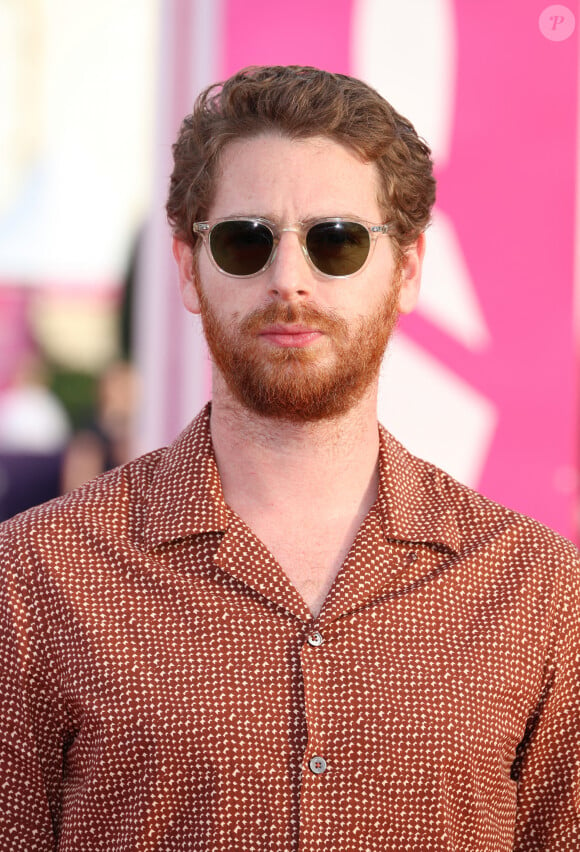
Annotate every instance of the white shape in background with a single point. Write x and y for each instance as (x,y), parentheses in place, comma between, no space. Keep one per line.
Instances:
(82,193)
(448,297)
(32,420)
(406,49)
(437,415)
(20,24)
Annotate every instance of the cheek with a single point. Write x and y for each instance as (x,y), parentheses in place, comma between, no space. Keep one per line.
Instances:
(219,298)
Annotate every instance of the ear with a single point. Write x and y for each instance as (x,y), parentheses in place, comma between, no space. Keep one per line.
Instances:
(183,255)
(412,266)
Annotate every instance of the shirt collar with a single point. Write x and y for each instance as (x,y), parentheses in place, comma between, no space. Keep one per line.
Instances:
(185,497)
(413,498)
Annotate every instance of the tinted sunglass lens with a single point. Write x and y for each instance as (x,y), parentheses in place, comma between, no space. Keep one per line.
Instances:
(241,247)
(338,248)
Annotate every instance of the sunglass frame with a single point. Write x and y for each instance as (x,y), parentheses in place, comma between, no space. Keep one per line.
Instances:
(204,229)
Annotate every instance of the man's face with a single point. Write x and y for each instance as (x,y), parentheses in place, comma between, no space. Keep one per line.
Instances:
(289,342)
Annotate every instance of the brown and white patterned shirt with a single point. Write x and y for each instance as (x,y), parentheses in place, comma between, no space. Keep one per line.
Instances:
(164,686)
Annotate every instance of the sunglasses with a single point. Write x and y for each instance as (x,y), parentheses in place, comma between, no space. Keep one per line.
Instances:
(245,246)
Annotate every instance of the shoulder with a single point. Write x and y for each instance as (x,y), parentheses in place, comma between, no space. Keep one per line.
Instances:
(482,520)
(471,522)
(109,518)
(107,506)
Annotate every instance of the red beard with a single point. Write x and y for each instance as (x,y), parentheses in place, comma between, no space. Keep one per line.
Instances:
(298,384)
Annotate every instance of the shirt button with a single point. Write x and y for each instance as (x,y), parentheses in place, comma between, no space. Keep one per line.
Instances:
(315,639)
(317,765)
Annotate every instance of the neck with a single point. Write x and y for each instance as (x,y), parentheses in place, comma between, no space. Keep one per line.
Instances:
(267,464)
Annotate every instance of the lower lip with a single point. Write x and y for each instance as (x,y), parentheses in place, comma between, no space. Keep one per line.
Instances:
(298,340)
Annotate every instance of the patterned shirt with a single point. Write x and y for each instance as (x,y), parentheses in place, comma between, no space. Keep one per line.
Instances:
(164,686)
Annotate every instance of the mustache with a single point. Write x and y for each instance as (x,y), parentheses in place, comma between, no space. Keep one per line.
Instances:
(304,314)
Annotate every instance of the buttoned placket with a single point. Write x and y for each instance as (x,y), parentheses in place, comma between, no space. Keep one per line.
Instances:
(392,565)
(317,761)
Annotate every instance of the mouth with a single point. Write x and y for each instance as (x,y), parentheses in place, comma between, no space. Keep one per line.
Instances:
(290,335)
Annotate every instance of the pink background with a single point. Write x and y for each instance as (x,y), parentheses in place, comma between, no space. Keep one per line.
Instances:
(509,188)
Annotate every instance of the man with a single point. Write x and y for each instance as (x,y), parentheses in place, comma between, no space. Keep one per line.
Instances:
(284,632)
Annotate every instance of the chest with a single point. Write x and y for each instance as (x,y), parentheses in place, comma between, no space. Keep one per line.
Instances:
(310,556)
(211,674)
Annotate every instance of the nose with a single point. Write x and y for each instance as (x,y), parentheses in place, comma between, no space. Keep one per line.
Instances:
(290,277)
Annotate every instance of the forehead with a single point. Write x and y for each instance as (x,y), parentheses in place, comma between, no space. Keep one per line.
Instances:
(277,177)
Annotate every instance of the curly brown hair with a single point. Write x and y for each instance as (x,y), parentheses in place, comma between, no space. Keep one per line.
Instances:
(301,102)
